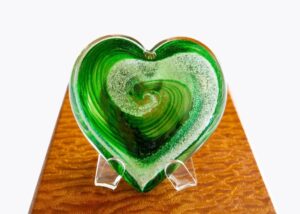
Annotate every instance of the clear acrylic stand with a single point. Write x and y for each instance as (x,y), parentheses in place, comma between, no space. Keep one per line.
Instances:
(181,175)
(106,176)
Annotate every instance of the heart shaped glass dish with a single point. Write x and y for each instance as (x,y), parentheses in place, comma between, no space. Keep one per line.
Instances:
(147,107)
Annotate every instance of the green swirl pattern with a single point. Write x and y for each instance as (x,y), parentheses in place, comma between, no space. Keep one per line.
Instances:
(147,108)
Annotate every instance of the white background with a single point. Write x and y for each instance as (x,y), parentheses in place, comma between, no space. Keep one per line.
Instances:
(256,42)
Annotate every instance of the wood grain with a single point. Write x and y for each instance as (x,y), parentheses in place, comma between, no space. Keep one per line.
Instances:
(228,178)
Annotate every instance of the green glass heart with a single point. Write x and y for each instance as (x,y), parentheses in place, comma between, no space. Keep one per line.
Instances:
(147,108)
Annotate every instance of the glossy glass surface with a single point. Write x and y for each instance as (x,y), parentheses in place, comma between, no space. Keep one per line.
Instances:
(147,108)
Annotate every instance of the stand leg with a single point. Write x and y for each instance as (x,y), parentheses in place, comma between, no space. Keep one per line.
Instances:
(181,175)
(106,176)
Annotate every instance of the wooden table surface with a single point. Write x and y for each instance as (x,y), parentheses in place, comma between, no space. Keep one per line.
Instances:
(228,177)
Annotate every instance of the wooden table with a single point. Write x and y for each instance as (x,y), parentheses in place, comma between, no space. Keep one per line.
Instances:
(228,177)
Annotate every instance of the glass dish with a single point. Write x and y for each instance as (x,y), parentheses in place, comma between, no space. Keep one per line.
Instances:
(147,108)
